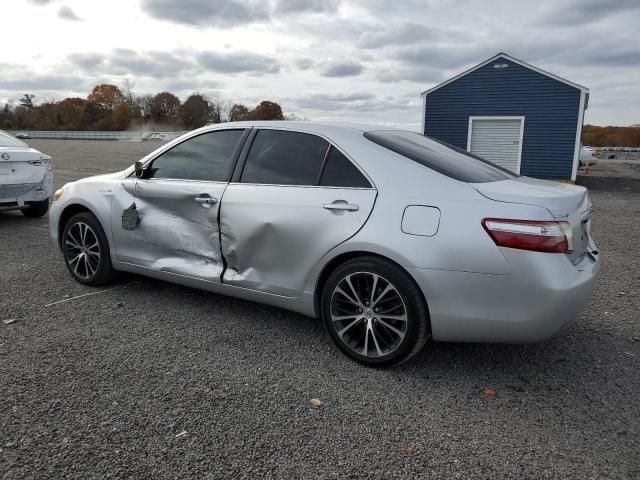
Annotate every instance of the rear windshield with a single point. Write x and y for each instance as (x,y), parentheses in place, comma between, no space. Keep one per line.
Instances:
(7,140)
(440,156)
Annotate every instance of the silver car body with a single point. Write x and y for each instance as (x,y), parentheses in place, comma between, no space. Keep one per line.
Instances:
(25,174)
(274,244)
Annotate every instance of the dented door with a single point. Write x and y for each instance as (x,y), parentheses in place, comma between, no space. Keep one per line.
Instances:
(177,229)
(272,236)
(177,201)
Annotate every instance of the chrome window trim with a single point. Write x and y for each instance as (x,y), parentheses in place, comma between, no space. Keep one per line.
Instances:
(300,186)
(217,182)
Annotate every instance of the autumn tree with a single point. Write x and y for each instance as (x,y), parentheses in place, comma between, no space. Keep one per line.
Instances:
(267,110)
(107,96)
(121,117)
(196,112)
(238,113)
(165,108)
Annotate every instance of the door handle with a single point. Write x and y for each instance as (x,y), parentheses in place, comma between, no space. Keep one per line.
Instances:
(206,200)
(343,206)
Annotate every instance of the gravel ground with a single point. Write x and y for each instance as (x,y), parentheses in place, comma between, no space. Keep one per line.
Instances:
(153,380)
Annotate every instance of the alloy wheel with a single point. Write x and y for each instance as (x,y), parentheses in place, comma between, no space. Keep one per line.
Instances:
(369,314)
(82,250)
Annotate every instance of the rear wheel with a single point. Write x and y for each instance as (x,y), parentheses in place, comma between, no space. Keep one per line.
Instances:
(86,250)
(36,209)
(375,312)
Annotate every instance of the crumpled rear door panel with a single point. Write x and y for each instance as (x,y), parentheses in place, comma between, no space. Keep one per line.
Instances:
(272,236)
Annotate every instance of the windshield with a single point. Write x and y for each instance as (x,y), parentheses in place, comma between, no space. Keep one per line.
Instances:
(440,156)
(7,140)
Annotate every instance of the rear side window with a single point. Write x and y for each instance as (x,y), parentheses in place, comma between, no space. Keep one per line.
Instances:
(340,172)
(206,157)
(280,157)
(440,156)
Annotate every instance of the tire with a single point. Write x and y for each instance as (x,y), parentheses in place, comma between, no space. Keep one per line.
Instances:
(382,330)
(86,250)
(36,209)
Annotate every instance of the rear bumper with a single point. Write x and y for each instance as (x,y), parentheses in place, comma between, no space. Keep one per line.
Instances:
(541,294)
(12,199)
(19,196)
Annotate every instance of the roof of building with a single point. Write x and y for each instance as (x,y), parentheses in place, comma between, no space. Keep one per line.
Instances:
(514,60)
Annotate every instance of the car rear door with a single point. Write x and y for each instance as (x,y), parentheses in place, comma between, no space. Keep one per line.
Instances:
(177,201)
(295,198)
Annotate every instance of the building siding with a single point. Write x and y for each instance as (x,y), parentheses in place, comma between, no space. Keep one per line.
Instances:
(549,106)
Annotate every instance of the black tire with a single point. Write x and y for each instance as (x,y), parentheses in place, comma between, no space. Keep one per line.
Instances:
(364,273)
(84,272)
(36,209)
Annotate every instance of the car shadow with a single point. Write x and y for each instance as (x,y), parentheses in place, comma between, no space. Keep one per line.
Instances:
(516,366)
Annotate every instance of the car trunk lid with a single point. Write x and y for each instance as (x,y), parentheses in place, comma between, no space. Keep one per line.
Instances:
(22,166)
(566,203)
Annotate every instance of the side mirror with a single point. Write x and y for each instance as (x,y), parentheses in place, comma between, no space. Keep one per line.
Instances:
(138,169)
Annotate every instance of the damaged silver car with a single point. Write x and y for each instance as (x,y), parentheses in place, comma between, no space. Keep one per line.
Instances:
(390,237)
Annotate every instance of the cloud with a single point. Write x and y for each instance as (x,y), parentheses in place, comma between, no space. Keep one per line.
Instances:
(345,68)
(66,13)
(582,12)
(332,101)
(304,63)
(232,13)
(401,34)
(357,102)
(238,62)
(218,13)
(122,61)
(42,2)
(308,6)
(24,79)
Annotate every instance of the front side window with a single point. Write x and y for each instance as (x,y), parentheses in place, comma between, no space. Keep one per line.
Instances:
(280,157)
(207,157)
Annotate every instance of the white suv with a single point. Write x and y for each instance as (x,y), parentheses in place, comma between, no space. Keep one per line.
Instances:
(26,180)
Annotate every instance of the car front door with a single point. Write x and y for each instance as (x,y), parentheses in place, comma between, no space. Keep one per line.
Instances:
(297,197)
(177,201)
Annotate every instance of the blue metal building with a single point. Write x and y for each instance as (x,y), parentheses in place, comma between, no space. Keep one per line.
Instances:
(511,113)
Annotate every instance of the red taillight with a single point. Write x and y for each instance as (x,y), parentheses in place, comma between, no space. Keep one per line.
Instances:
(538,236)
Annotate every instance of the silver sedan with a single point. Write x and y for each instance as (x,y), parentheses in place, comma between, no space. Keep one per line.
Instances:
(390,237)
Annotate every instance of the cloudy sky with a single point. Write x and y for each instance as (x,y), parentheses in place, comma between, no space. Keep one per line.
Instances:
(352,60)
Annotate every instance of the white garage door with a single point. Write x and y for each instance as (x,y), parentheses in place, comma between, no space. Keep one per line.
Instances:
(498,140)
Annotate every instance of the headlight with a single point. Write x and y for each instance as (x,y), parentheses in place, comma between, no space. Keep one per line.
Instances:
(58,194)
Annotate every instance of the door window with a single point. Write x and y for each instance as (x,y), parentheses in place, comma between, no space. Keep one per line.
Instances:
(340,172)
(280,157)
(207,157)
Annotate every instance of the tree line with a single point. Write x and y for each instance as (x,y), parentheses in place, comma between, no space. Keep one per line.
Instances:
(595,136)
(109,107)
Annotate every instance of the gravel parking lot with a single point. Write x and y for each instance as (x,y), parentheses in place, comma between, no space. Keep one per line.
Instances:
(146,379)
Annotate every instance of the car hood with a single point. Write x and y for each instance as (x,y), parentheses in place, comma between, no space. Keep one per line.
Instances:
(105,177)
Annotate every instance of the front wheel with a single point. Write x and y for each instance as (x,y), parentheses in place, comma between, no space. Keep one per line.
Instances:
(86,250)
(375,312)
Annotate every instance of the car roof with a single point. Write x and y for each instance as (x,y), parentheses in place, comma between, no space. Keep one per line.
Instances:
(311,127)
